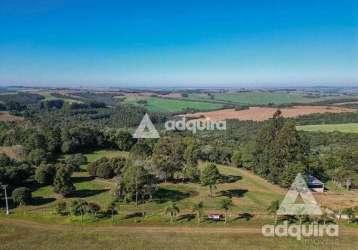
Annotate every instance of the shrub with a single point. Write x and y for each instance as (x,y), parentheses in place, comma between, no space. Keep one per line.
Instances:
(21,196)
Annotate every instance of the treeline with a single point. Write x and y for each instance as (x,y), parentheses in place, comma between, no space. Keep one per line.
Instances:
(327,118)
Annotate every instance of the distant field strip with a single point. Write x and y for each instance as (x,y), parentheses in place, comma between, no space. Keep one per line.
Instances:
(344,128)
(156,104)
(261,98)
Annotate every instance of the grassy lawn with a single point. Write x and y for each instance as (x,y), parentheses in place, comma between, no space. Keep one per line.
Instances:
(157,104)
(27,236)
(45,237)
(344,128)
(250,194)
(260,98)
(105,153)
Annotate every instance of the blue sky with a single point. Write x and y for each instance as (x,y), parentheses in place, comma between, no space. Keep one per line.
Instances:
(179,43)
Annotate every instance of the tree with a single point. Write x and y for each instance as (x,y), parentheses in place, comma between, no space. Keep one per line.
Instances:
(38,156)
(93,208)
(172,210)
(191,172)
(62,182)
(61,208)
(168,156)
(236,158)
(134,181)
(272,209)
(21,196)
(141,149)
(79,207)
(210,176)
(124,140)
(112,209)
(225,204)
(198,209)
(45,174)
(350,213)
(76,160)
(280,152)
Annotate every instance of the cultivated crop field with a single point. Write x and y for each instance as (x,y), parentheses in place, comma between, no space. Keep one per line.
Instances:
(157,104)
(344,128)
(265,113)
(262,97)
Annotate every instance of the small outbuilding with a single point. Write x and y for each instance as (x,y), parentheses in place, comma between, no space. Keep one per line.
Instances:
(314,184)
(215,217)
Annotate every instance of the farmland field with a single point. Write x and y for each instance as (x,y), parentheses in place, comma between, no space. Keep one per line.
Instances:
(344,128)
(48,96)
(157,104)
(264,113)
(261,97)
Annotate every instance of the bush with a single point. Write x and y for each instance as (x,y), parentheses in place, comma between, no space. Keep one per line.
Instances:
(21,196)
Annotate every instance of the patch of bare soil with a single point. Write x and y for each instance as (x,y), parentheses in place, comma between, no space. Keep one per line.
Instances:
(6,117)
(265,113)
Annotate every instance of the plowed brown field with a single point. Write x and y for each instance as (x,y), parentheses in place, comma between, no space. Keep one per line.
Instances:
(264,113)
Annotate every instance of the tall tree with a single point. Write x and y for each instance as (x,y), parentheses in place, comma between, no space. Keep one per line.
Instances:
(168,156)
(62,182)
(225,204)
(198,209)
(172,209)
(210,176)
(280,152)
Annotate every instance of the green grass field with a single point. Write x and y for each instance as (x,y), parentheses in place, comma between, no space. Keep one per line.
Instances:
(260,98)
(157,104)
(48,96)
(37,236)
(344,128)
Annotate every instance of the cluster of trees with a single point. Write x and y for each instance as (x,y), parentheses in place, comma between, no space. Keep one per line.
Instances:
(280,152)
(327,118)
(14,173)
(106,167)
(58,175)
(80,207)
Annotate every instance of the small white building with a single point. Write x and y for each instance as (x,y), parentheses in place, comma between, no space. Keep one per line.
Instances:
(215,217)
(314,184)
